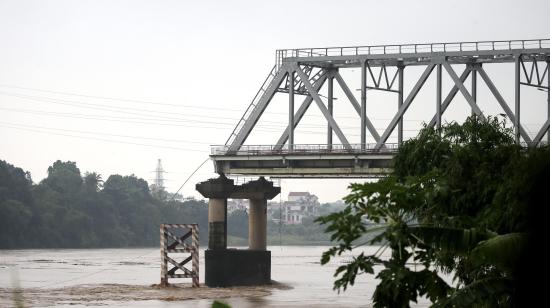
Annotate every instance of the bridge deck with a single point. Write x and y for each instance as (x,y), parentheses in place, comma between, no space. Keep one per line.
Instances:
(305,161)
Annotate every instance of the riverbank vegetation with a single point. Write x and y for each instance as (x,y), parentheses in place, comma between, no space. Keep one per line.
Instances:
(71,210)
(465,201)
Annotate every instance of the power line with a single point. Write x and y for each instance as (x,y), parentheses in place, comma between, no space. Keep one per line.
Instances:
(103,107)
(106,134)
(106,140)
(155,103)
(124,110)
(188,178)
(110,118)
(133,120)
(151,103)
(114,98)
(146,117)
(152,121)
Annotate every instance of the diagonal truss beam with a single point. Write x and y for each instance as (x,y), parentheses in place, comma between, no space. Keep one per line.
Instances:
(463,89)
(179,266)
(182,263)
(450,96)
(502,102)
(356,106)
(323,108)
(542,131)
(177,240)
(300,113)
(181,239)
(258,110)
(405,105)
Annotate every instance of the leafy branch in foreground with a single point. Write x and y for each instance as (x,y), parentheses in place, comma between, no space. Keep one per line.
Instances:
(455,204)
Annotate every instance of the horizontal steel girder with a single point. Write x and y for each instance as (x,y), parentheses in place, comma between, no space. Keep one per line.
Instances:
(407,59)
(359,165)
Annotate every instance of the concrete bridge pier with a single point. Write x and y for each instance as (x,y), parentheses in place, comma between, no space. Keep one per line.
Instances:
(217,223)
(257,224)
(217,190)
(257,192)
(233,267)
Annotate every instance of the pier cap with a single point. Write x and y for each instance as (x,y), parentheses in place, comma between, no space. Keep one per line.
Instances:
(219,188)
(258,189)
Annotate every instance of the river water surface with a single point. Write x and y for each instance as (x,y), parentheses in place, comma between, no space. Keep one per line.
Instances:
(42,273)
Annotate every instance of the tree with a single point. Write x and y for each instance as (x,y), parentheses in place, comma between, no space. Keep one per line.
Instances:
(67,210)
(14,220)
(92,181)
(15,184)
(454,204)
(15,204)
(64,177)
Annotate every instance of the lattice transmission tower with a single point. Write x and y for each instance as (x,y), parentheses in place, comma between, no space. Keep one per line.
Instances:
(157,188)
(159,175)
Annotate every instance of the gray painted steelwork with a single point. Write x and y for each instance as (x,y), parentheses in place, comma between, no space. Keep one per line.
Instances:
(304,71)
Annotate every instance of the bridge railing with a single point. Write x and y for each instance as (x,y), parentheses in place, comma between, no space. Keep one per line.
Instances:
(411,48)
(253,150)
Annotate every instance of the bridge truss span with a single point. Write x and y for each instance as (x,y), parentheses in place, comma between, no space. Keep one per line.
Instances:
(305,71)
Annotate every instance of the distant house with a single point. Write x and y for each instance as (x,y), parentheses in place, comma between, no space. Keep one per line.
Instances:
(236,204)
(299,206)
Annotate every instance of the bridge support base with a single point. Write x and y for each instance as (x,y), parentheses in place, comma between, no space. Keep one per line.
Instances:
(231,267)
(235,267)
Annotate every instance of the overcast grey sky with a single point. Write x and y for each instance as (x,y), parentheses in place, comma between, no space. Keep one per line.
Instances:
(165,79)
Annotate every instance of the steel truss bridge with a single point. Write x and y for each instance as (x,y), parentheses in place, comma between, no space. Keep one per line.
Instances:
(305,71)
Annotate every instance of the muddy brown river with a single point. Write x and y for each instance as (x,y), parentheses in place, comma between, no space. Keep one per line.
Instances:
(128,278)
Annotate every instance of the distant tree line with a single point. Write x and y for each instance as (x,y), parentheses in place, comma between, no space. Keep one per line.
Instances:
(68,209)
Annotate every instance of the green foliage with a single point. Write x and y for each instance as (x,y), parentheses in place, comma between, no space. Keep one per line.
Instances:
(64,177)
(218,304)
(459,241)
(70,210)
(485,292)
(500,251)
(456,203)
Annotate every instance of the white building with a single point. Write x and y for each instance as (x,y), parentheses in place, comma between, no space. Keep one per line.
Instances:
(298,206)
(236,204)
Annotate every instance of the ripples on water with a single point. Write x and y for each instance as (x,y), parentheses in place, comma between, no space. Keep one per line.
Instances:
(296,266)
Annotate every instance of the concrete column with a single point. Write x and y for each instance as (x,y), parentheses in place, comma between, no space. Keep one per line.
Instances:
(257,224)
(217,224)
(217,191)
